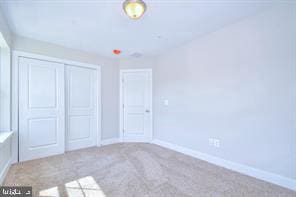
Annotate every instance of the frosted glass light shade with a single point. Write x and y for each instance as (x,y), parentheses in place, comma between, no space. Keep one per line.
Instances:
(134,8)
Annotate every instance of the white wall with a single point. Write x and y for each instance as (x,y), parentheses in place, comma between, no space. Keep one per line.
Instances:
(110,77)
(238,85)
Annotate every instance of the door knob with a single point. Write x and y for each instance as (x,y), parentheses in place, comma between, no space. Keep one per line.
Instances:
(147,111)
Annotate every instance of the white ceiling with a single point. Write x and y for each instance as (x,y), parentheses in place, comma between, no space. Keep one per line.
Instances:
(101,26)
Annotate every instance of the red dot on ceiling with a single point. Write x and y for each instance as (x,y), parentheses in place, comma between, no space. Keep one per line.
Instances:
(116,51)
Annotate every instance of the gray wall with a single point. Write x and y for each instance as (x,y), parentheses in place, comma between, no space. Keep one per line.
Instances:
(110,102)
(110,83)
(238,85)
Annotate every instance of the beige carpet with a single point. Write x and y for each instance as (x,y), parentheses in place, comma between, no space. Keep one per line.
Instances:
(134,169)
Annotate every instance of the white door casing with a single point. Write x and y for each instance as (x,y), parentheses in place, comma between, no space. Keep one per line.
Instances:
(81,100)
(41,108)
(136,105)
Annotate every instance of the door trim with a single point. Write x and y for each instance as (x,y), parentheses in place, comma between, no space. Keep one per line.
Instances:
(121,72)
(15,94)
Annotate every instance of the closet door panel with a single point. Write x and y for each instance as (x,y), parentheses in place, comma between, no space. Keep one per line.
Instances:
(41,108)
(81,102)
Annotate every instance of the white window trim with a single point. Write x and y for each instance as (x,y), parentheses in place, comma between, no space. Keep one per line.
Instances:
(5,86)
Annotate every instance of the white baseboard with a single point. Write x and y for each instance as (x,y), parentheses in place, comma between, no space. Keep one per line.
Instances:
(3,173)
(247,170)
(110,141)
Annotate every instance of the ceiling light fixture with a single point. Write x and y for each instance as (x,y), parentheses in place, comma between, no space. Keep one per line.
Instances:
(134,8)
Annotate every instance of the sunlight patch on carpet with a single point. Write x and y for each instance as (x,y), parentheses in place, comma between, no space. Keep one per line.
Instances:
(86,186)
(51,192)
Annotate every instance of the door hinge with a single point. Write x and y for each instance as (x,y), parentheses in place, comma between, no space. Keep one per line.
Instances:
(122,105)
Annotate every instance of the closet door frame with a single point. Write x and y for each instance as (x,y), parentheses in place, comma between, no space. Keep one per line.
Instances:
(15,95)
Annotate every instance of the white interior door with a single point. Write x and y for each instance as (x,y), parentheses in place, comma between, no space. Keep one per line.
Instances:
(41,108)
(82,113)
(137,105)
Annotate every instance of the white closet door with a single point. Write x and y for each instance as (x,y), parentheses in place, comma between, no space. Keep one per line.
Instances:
(41,108)
(82,99)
